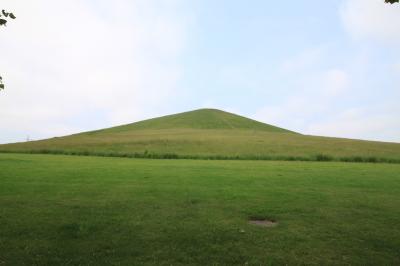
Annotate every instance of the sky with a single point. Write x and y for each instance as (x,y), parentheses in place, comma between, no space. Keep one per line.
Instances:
(328,68)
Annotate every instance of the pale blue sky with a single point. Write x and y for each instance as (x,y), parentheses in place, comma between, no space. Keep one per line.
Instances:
(317,67)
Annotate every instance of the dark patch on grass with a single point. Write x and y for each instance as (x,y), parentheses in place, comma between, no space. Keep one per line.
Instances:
(262,221)
(69,230)
(75,230)
(194,201)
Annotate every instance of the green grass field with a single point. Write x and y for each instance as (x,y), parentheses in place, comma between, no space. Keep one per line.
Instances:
(210,134)
(66,210)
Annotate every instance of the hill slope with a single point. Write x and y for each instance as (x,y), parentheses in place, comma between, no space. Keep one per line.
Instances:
(212,134)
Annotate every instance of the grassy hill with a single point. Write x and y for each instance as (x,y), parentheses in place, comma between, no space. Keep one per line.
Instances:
(198,119)
(210,134)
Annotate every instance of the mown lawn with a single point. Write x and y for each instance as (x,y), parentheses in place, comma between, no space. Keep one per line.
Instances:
(66,210)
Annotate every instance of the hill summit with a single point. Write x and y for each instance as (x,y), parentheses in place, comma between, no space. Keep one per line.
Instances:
(199,119)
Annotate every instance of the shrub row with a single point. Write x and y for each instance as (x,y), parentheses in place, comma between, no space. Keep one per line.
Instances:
(151,155)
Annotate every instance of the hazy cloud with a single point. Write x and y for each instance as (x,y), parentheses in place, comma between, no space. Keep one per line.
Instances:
(335,81)
(308,59)
(61,60)
(371,19)
(373,123)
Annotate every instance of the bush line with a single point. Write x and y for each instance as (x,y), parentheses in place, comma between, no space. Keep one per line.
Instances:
(151,155)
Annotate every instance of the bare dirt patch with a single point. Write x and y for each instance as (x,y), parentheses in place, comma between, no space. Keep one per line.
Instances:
(263,222)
